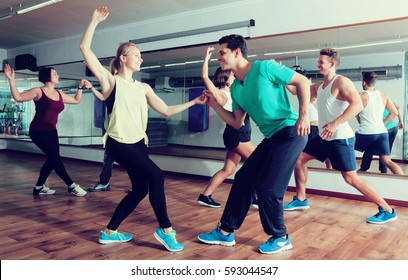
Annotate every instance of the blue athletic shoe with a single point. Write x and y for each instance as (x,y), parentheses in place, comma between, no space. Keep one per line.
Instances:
(168,240)
(382,217)
(215,237)
(275,245)
(296,204)
(115,237)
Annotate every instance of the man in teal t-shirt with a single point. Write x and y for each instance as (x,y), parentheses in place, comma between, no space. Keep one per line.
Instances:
(259,91)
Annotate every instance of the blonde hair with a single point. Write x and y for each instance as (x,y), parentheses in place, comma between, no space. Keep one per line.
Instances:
(122,50)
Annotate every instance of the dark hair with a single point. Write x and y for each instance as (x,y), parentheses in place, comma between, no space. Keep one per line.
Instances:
(234,42)
(44,74)
(122,50)
(370,78)
(332,54)
(221,77)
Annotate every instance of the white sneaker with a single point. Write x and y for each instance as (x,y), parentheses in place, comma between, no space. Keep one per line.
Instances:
(44,190)
(77,190)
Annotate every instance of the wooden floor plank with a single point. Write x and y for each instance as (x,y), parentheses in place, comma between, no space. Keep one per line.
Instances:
(63,227)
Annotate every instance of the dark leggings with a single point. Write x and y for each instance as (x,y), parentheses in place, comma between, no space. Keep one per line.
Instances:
(47,141)
(145,176)
(267,171)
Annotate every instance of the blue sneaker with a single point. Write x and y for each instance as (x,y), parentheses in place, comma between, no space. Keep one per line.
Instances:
(296,204)
(168,240)
(115,237)
(382,217)
(215,237)
(275,245)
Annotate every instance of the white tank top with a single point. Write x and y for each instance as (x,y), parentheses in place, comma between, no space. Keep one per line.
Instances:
(228,105)
(313,113)
(329,108)
(371,121)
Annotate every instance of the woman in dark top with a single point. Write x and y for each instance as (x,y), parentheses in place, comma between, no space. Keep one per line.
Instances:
(49,102)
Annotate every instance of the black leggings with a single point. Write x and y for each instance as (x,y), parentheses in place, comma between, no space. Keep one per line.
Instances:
(145,176)
(47,141)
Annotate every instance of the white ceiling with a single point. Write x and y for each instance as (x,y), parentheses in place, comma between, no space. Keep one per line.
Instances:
(69,17)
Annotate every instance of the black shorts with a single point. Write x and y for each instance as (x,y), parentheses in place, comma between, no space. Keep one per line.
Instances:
(232,137)
(314,132)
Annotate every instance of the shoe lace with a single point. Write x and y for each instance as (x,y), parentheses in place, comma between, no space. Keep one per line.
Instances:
(172,236)
(379,214)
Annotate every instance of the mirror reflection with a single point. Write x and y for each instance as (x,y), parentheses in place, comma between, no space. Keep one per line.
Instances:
(175,75)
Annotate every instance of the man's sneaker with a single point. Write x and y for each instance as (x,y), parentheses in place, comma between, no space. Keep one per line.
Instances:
(115,237)
(215,237)
(43,190)
(207,201)
(255,203)
(296,204)
(168,240)
(382,217)
(275,245)
(77,190)
(100,188)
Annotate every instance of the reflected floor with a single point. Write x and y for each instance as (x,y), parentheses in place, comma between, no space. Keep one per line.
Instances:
(205,152)
(219,154)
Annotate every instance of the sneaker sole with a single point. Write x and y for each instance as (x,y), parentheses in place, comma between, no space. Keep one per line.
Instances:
(158,238)
(104,242)
(296,208)
(208,205)
(99,190)
(383,222)
(77,194)
(284,248)
(47,193)
(223,243)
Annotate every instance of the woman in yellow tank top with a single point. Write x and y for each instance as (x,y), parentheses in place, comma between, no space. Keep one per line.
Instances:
(125,139)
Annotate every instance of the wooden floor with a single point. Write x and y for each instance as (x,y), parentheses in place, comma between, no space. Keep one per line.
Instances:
(66,227)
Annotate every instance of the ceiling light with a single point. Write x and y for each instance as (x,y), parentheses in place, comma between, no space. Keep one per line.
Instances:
(7,13)
(150,67)
(371,44)
(345,47)
(33,5)
(6,16)
(291,52)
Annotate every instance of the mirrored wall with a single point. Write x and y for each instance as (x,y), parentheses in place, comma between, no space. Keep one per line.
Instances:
(175,75)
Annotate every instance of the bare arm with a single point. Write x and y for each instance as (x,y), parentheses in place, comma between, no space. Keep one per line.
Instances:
(96,92)
(400,118)
(76,99)
(218,95)
(234,119)
(302,85)
(157,104)
(105,78)
(349,93)
(31,94)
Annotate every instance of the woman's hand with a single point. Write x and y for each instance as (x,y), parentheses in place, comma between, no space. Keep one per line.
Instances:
(100,14)
(202,99)
(208,53)
(210,98)
(9,72)
(86,84)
